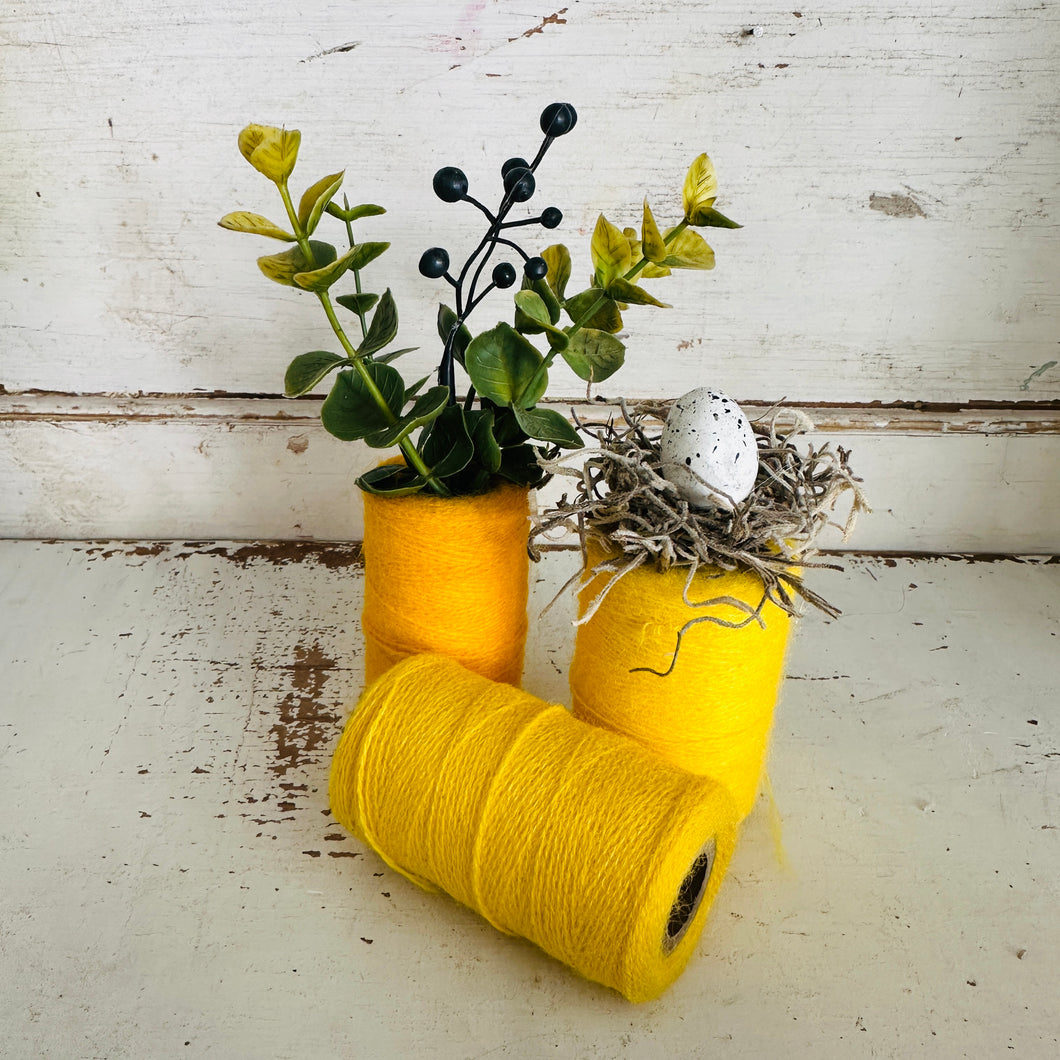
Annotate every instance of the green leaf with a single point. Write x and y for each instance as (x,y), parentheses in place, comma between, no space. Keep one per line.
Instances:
(549,426)
(700,189)
(307,369)
(427,407)
(446,322)
(712,218)
(316,199)
(447,447)
(255,224)
(503,367)
(605,317)
(282,268)
(623,291)
(270,151)
(357,303)
(412,391)
(533,306)
(506,428)
(688,251)
(383,329)
(532,317)
(651,240)
(487,449)
(594,355)
(355,258)
(350,411)
(611,252)
(557,257)
(353,213)
(548,296)
(393,355)
(391,480)
(519,465)
(363,253)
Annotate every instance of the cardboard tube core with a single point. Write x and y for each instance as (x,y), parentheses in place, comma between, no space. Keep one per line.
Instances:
(689,896)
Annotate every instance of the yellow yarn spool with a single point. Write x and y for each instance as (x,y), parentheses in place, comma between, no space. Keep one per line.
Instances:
(447,575)
(565,834)
(713,713)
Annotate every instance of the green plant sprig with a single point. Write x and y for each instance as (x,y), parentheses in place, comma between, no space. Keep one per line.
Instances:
(461,449)
(368,397)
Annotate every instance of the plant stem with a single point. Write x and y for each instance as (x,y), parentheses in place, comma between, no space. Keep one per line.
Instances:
(408,449)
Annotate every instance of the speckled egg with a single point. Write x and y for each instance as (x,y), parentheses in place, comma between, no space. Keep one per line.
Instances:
(707,442)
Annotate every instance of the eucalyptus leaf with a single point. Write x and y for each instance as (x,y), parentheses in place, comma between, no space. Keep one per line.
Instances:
(393,355)
(557,258)
(651,240)
(712,218)
(700,189)
(594,355)
(533,306)
(505,367)
(547,425)
(447,447)
(624,291)
(604,313)
(610,251)
(427,407)
(447,319)
(354,213)
(307,369)
(254,224)
(689,250)
(383,328)
(316,199)
(320,279)
(487,449)
(357,303)
(363,253)
(350,411)
(270,151)
(391,480)
(282,268)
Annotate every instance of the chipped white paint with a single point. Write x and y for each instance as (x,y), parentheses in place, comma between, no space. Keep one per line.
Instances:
(171,883)
(894,167)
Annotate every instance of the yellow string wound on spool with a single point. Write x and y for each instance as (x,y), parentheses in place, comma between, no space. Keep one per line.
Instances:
(560,832)
(713,711)
(447,575)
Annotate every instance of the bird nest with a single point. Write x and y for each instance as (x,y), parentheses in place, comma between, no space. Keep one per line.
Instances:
(623,506)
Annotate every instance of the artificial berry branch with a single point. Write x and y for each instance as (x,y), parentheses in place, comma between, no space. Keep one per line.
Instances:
(517,176)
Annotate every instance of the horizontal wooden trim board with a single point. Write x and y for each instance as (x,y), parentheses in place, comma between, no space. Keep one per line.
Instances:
(163,467)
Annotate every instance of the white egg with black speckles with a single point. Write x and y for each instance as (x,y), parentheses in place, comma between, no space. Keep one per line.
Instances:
(708,450)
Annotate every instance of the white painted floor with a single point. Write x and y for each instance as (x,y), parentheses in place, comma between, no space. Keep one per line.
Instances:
(172,884)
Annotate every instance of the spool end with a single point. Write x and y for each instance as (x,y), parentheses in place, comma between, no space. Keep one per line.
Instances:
(689,896)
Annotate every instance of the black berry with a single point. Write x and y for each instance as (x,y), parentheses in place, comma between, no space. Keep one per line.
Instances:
(519,183)
(551,217)
(450,184)
(434,262)
(535,269)
(504,275)
(558,119)
(514,163)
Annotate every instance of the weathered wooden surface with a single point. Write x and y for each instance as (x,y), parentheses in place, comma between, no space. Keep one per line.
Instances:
(171,883)
(164,469)
(895,168)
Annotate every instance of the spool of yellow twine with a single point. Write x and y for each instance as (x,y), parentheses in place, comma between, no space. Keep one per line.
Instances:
(447,575)
(712,714)
(565,834)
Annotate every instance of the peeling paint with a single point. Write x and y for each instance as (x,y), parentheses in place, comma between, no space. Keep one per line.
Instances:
(897,205)
(555,19)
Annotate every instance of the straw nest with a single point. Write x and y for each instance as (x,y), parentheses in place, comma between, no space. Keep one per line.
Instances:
(621,502)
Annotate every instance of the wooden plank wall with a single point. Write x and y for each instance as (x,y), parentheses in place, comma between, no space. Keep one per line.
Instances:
(895,166)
